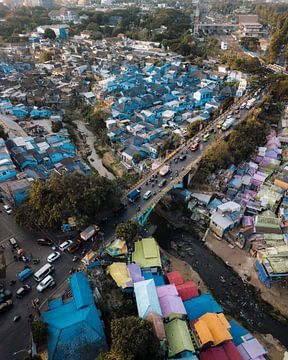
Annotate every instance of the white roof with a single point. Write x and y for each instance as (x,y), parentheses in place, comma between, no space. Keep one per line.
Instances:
(229,206)
(221,221)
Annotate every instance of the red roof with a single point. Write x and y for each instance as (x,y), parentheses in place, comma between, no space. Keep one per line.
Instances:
(226,351)
(174,277)
(188,290)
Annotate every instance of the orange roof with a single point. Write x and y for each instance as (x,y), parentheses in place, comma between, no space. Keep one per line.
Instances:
(203,332)
(218,327)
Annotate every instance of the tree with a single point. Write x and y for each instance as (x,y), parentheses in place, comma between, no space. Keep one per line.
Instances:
(39,332)
(3,134)
(132,339)
(128,231)
(56,126)
(194,128)
(49,34)
(45,56)
(137,157)
(51,202)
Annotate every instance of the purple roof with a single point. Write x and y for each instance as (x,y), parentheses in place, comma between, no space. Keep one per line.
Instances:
(247,221)
(172,304)
(135,272)
(251,350)
(166,290)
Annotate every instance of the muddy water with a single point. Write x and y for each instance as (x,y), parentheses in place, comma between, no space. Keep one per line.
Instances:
(237,299)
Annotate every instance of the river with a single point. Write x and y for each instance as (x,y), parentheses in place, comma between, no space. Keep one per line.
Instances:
(94,159)
(238,299)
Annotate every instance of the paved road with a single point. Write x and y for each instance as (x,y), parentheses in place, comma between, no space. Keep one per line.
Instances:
(15,336)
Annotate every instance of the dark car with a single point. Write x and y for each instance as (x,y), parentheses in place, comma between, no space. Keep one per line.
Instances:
(44,242)
(5,305)
(162,183)
(122,207)
(74,246)
(182,157)
(22,291)
(5,295)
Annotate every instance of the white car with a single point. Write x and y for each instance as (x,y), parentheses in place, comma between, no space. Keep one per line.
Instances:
(65,245)
(45,283)
(54,256)
(7,209)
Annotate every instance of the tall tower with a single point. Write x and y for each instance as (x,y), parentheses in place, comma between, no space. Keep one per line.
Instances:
(196,15)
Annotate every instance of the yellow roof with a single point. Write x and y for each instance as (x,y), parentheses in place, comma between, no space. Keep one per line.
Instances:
(120,274)
(147,253)
(218,327)
(203,332)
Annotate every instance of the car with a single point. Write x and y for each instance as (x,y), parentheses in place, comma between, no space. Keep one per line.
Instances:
(182,157)
(120,208)
(54,256)
(206,137)
(44,242)
(5,305)
(65,245)
(48,281)
(219,125)
(74,246)
(7,209)
(194,146)
(5,295)
(197,140)
(13,243)
(147,195)
(162,183)
(22,291)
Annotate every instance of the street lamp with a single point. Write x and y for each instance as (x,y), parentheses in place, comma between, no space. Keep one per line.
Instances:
(22,350)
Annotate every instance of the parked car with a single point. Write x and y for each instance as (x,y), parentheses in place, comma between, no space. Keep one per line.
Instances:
(7,209)
(65,245)
(206,137)
(182,157)
(74,246)
(5,295)
(13,243)
(44,242)
(22,291)
(48,281)
(5,305)
(54,256)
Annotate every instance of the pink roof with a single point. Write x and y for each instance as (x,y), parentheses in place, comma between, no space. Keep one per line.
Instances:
(188,290)
(166,290)
(172,304)
(251,350)
(174,277)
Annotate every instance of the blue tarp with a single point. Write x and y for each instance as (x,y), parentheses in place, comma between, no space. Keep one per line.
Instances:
(158,279)
(201,305)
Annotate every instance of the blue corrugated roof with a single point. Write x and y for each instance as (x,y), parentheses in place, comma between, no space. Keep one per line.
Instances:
(81,291)
(158,279)
(237,332)
(74,327)
(201,305)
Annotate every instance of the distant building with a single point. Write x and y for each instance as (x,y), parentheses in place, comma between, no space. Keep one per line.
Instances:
(224,45)
(61,31)
(64,15)
(249,25)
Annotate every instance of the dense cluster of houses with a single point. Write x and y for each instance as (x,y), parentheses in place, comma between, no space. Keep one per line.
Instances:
(253,211)
(189,325)
(25,159)
(149,102)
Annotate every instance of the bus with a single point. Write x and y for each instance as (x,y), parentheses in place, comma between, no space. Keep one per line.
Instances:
(43,272)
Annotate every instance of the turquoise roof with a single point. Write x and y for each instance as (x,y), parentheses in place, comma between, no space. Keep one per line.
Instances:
(201,305)
(74,327)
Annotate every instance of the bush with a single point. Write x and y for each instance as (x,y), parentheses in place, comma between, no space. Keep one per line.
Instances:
(39,332)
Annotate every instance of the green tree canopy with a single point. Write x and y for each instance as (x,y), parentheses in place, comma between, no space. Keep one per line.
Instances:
(49,34)
(132,339)
(128,231)
(51,202)
(39,332)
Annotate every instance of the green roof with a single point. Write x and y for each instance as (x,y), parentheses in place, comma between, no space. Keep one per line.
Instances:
(147,253)
(178,337)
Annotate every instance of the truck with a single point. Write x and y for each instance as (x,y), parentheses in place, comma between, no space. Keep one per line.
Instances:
(164,170)
(228,123)
(89,232)
(133,195)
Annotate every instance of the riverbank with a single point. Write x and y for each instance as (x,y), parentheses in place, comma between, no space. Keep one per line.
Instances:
(238,299)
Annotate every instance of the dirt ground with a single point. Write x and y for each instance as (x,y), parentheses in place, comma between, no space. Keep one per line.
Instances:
(243,264)
(110,163)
